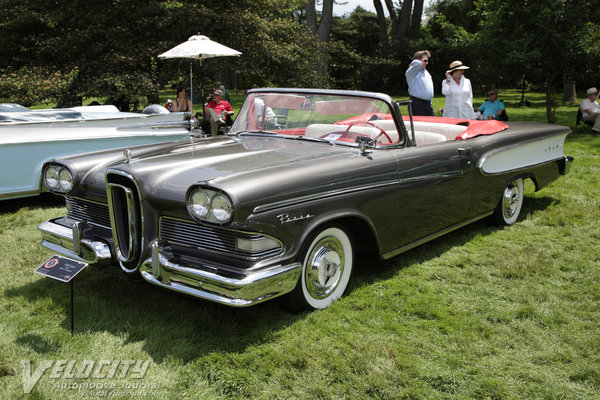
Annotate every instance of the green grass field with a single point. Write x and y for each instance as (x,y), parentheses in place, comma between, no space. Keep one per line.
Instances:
(482,313)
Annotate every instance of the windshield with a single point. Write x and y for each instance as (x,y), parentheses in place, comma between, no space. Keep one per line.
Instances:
(330,117)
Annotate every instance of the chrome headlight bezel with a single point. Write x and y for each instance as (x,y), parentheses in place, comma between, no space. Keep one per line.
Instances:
(58,178)
(209,205)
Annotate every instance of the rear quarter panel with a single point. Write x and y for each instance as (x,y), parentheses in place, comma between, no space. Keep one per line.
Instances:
(530,150)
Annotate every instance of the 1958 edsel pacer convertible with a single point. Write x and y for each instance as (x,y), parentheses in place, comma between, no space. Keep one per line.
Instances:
(280,205)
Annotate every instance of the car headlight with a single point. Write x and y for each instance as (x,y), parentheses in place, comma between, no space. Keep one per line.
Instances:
(210,206)
(199,204)
(58,178)
(51,177)
(220,208)
(65,180)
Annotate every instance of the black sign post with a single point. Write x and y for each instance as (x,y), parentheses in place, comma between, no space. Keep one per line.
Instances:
(62,269)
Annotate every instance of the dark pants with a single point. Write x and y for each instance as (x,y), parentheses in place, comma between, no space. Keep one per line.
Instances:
(422,107)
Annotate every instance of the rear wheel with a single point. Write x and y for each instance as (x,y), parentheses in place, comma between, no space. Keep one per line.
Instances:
(327,261)
(509,207)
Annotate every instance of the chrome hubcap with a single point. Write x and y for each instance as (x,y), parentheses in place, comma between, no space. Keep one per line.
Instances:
(325,267)
(510,201)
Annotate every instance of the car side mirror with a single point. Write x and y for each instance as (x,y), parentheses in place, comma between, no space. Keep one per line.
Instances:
(365,142)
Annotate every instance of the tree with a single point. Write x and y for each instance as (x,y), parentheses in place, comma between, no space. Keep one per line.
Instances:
(113,45)
(541,39)
(353,49)
(358,31)
(277,50)
(323,27)
(405,23)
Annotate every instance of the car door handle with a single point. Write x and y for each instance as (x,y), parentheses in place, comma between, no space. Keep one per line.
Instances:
(464,151)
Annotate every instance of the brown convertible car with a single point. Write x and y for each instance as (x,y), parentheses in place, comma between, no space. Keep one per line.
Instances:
(279,205)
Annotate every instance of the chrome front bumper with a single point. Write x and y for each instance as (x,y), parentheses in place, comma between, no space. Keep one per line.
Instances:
(251,288)
(71,243)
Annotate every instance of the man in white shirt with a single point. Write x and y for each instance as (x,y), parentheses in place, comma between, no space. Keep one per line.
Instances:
(590,110)
(420,84)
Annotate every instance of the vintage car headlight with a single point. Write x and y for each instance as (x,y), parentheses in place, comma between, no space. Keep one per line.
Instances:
(58,178)
(65,180)
(210,206)
(51,177)
(199,204)
(220,208)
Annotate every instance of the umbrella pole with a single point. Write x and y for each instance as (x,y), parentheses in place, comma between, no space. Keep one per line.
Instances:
(191,88)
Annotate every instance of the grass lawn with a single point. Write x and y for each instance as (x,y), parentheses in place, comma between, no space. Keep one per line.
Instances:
(482,313)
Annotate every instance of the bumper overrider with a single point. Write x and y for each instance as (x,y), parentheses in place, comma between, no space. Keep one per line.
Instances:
(565,165)
(239,290)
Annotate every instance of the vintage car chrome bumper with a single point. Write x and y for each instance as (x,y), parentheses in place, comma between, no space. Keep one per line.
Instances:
(70,242)
(244,290)
(565,166)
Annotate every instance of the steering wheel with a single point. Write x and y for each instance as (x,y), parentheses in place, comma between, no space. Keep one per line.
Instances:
(381,131)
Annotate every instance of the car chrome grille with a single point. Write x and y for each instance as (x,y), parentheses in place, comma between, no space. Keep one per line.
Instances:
(93,213)
(202,237)
(125,218)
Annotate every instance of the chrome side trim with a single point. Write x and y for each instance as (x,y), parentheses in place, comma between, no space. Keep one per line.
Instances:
(249,289)
(433,177)
(64,240)
(323,195)
(21,193)
(523,155)
(435,235)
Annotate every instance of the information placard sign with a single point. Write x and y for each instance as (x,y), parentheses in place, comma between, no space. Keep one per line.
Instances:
(61,268)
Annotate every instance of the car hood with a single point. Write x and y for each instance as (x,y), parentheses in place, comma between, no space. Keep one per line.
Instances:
(237,165)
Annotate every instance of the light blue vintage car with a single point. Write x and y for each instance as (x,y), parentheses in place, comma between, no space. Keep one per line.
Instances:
(29,138)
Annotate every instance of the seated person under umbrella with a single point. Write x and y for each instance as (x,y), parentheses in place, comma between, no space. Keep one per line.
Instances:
(218,112)
(181,103)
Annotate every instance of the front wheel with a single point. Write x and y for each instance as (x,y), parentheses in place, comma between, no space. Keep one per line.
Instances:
(326,268)
(509,207)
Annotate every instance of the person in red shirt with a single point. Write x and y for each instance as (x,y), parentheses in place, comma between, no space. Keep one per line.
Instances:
(218,112)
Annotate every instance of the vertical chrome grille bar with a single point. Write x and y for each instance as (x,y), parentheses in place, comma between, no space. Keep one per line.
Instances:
(124,221)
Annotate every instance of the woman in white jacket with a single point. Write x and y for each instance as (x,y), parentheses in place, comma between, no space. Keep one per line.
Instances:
(458,92)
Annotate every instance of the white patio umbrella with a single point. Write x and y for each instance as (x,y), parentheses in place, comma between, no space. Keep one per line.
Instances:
(199,47)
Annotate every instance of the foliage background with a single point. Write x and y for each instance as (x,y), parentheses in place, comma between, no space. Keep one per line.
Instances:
(73,49)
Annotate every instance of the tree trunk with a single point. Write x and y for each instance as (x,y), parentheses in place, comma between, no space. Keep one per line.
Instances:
(405,17)
(415,21)
(569,89)
(311,16)
(323,28)
(326,20)
(393,17)
(385,45)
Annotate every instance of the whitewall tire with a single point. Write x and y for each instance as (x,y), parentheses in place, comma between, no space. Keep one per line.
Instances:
(509,207)
(327,263)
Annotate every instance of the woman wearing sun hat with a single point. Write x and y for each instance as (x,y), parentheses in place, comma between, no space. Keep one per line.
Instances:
(458,92)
